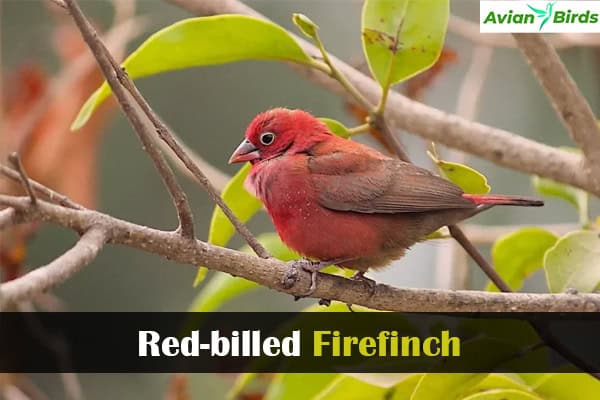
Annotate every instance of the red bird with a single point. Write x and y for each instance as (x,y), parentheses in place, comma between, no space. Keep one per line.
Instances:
(341,202)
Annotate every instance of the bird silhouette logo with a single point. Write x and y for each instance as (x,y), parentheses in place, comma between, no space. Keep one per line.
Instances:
(544,14)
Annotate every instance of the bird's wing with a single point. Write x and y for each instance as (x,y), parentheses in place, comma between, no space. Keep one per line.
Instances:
(361,183)
(540,13)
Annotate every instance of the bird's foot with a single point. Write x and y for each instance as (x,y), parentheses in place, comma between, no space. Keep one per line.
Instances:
(312,267)
(359,276)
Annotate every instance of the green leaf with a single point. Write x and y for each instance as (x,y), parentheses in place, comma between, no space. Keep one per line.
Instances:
(445,386)
(306,25)
(336,127)
(468,179)
(197,42)
(568,387)
(220,289)
(503,394)
(292,386)
(402,37)
(574,262)
(200,276)
(348,388)
(577,197)
(224,287)
(243,204)
(404,389)
(498,381)
(519,254)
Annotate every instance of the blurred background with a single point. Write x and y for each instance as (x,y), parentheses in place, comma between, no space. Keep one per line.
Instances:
(209,108)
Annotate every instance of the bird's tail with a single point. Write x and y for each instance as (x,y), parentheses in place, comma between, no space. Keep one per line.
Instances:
(503,200)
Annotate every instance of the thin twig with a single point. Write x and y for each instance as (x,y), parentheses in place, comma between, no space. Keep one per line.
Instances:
(380,122)
(15,160)
(217,177)
(184,212)
(40,189)
(567,100)
(268,272)
(485,266)
(165,134)
(58,271)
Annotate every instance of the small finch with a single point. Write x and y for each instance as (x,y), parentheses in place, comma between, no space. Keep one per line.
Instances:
(341,202)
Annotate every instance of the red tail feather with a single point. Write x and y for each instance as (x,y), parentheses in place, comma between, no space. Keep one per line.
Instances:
(504,200)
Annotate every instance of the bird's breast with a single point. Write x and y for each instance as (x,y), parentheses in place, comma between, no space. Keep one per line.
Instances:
(303,224)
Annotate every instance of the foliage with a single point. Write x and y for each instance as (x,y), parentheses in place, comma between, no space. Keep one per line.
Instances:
(519,254)
(467,178)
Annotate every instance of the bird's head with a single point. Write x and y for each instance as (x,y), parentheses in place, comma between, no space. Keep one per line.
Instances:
(277,132)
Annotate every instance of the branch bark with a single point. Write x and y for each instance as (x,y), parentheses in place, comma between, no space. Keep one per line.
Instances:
(40,189)
(118,78)
(269,272)
(571,107)
(58,271)
(184,212)
(496,145)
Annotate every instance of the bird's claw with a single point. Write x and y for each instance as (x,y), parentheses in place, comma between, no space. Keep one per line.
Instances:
(359,276)
(291,276)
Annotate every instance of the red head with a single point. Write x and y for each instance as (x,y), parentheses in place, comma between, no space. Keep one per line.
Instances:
(279,131)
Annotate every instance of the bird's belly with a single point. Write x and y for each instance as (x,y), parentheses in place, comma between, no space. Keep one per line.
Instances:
(323,234)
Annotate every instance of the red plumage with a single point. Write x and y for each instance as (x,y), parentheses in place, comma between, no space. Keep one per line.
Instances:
(335,199)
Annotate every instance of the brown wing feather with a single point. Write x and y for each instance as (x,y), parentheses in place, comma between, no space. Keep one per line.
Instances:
(360,183)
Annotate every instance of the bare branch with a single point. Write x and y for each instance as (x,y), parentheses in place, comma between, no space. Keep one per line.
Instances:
(483,263)
(165,134)
(217,177)
(15,160)
(269,272)
(58,271)
(184,212)
(496,145)
(566,98)
(40,189)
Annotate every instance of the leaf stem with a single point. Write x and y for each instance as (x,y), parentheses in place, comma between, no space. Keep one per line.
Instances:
(338,76)
(359,129)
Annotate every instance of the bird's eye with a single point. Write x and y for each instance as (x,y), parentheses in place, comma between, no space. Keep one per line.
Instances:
(267,138)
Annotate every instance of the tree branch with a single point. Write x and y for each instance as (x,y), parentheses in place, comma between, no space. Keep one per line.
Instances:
(112,70)
(167,137)
(184,212)
(18,165)
(496,145)
(569,103)
(269,272)
(50,194)
(58,271)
